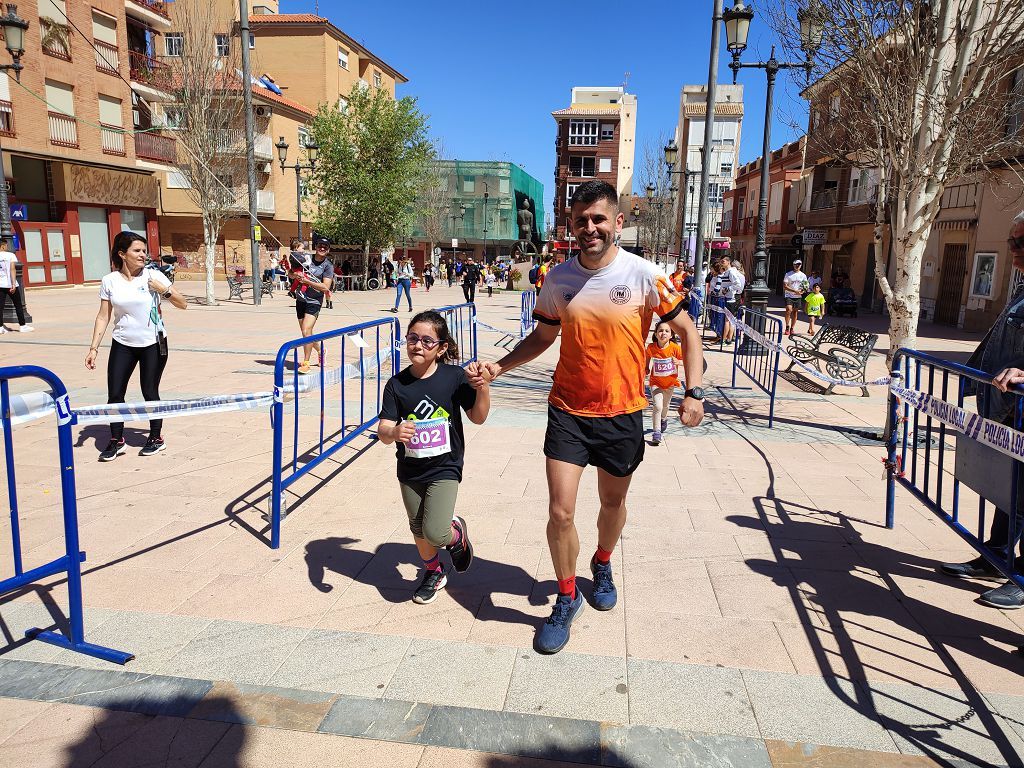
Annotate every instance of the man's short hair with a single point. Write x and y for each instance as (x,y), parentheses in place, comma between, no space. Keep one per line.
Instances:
(1018,219)
(591,191)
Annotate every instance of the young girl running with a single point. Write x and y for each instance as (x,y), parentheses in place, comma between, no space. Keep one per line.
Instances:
(663,359)
(421,411)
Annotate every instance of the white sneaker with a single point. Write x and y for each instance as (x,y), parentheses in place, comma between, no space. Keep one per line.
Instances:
(3,329)
(26,328)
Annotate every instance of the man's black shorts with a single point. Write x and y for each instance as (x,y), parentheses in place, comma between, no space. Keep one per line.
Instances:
(612,443)
(304,307)
(794,301)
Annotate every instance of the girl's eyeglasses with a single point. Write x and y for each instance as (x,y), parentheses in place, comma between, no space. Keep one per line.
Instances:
(1016,243)
(428,343)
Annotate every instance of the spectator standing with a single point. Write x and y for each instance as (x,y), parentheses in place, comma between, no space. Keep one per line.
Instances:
(403,282)
(731,284)
(470,280)
(9,288)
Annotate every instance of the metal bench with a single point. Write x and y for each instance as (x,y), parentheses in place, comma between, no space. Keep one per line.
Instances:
(844,351)
(238,285)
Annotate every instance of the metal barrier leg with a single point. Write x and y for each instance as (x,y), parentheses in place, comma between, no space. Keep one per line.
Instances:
(12,488)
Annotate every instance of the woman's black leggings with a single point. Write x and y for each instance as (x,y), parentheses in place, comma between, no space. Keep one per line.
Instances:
(120,367)
(16,300)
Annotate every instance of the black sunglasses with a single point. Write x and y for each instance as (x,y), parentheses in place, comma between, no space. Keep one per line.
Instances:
(1016,243)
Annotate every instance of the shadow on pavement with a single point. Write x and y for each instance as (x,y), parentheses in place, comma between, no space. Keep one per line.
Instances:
(380,569)
(122,737)
(100,435)
(560,758)
(831,600)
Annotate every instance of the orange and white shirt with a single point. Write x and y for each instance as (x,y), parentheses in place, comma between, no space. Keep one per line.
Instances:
(664,362)
(605,315)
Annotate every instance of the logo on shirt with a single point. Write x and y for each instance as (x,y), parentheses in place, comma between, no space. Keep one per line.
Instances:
(620,294)
(428,409)
(568,296)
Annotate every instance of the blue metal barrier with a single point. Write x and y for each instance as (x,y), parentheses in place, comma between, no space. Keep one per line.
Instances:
(919,459)
(527,303)
(71,561)
(760,362)
(461,319)
(377,344)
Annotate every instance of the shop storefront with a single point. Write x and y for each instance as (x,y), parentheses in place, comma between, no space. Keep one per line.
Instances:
(66,215)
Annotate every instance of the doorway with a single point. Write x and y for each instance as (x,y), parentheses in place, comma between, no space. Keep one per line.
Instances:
(95,234)
(951,284)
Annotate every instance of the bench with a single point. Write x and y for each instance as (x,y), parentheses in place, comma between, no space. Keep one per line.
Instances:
(238,285)
(844,351)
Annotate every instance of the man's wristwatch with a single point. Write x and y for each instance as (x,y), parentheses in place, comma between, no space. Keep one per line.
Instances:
(697,393)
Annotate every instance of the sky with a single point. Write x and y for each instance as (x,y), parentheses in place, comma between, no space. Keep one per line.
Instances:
(489,74)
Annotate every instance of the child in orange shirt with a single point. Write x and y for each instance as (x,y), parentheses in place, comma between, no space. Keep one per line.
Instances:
(663,359)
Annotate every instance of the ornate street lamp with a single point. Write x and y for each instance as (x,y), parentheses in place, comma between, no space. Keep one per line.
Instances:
(14,39)
(737,27)
(312,152)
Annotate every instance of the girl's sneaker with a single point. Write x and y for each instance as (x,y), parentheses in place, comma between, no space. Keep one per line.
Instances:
(433,582)
(462,553)
(153,445)
(656,438)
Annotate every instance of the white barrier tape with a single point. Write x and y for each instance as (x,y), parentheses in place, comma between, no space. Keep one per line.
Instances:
(36,405)
(997,436)
(761,339)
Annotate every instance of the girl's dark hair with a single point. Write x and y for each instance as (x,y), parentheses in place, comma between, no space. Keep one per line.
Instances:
(440,325)
(122,242)
(657,325)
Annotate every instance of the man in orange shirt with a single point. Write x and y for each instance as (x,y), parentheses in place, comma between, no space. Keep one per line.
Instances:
(602,302)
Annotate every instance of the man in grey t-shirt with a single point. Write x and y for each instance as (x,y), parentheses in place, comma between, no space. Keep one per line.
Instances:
(316,279)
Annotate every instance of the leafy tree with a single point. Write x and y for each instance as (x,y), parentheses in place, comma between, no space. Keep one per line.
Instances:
(373,155)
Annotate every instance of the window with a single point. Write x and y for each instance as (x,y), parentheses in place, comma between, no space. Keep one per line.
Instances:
(863,185)
(110,111)
(252,40)
(342,58)
(342,104)
(605,165)
(581,166)
(503,186)
(739,212)
(725,169)
(376,79)
(1015,125)
(582,132)
(174,44)
(833,108)
(607,131)
(222,45)
(177,180)
(570,190)
(715,192)
(173,117)
(304,136)
(469,183)
(718,228)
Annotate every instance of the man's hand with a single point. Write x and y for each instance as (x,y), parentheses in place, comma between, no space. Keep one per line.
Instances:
(1007,377)
(488,370)
(479,376)
(691,412)
(404,431)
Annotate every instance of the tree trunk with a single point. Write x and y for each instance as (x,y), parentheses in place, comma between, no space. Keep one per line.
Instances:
(210,241)
(366,264)
(905,302)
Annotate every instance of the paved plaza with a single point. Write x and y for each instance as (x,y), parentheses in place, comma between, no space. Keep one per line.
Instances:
(766,615)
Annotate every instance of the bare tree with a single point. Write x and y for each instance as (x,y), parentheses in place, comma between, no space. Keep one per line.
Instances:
(655,227)
(434,200)
(917,92)
(209,114)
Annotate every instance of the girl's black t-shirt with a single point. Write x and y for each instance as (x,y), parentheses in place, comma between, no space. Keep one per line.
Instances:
(435,404)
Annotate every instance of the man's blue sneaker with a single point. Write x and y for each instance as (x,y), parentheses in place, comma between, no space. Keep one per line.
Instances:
(605,595)
(554,633)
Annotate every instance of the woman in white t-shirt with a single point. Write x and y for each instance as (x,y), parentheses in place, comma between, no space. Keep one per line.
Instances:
(132,295)
(9,287)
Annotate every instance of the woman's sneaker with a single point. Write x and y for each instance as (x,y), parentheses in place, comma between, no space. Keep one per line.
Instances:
(25,328)
(114,449)
(433,582)
(462,553)
(152,446)
(656,438)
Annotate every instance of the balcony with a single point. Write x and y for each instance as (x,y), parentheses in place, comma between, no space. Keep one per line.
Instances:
(151,12)
(55,39)
(63,130)
(108,57)
(264,200)
(112,139)
(232,141)
(150,73)
(824,198)
(153,146)
(6,119)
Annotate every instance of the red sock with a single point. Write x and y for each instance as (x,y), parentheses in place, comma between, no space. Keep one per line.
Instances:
(567,586)
(603,556)
(433,564)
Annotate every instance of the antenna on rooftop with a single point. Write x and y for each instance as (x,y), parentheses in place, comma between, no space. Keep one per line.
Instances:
(625,80)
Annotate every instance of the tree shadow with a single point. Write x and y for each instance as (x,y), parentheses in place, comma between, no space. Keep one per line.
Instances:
(379,569)
(130,732)
(830,600)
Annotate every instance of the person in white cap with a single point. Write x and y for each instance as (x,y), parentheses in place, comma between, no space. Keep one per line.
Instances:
(794,286)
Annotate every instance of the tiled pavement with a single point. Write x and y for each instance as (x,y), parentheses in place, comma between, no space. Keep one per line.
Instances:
(766,616)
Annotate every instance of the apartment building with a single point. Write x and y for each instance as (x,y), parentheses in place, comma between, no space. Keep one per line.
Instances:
(595,139)
(74,177)
(725,142)
(742,203)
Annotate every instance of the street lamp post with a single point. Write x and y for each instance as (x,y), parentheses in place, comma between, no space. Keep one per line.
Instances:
(461,216)
(14,40)
(671,155)
(312,150)
(486,195)
(737,25)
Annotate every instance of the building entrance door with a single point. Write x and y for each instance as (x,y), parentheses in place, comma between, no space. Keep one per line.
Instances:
(92,226)
(951,285)
(45,253)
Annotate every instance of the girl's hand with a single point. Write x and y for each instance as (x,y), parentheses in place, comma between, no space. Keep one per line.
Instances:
(404,432)
(90,359)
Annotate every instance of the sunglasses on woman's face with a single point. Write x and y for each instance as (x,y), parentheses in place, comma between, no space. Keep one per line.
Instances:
(428,343)
(1016,243)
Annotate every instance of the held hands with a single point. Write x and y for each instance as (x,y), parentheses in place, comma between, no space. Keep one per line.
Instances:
(482,374)
(1007,377)
(691,412)
(404,432)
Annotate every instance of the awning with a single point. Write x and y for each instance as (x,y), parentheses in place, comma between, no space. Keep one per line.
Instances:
(836,246)
(955,224)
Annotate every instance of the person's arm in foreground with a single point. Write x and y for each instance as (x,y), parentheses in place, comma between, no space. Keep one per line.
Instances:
(482,406)
(530,348)
(691,412)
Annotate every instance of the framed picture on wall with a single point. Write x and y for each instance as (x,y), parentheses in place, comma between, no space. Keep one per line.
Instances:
(983,276)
